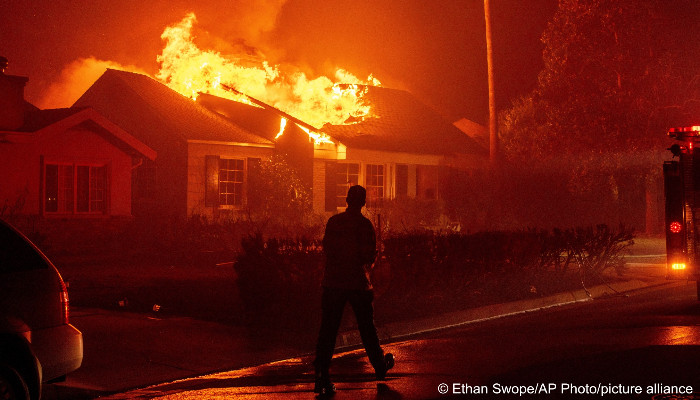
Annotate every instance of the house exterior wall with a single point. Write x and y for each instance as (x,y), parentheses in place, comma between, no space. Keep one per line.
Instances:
(24,156)
(168,198)
(413,164)
(20,165)
(197,173)
(318,185)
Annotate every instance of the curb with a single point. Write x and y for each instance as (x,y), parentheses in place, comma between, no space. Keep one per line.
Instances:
(402,330)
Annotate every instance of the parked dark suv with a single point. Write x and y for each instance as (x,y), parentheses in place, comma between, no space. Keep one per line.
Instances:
(37,343)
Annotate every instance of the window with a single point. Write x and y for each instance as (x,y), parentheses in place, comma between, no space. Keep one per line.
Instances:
(346,175)
(375,185)
(231,175)
(71,189)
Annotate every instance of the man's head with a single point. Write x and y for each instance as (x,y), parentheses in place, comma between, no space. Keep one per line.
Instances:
(357,196)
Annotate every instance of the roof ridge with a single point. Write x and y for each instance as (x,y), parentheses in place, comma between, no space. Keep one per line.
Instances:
(217,119)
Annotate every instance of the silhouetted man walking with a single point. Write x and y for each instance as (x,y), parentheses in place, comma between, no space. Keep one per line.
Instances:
(350,247)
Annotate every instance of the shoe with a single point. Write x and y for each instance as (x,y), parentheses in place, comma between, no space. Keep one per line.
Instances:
(388,364)
(324,387)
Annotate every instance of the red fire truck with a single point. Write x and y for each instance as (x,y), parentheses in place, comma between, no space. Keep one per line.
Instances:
(682,190)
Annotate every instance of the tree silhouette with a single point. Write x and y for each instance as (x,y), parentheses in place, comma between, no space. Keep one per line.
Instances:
(617,73)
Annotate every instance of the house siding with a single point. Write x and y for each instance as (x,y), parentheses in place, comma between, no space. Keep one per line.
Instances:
(319,186)
(22,160)
(170,193)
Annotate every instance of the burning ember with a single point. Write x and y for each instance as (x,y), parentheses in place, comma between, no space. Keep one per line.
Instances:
(190,70)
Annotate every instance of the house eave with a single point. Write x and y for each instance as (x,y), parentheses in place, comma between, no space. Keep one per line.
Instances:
(239,144)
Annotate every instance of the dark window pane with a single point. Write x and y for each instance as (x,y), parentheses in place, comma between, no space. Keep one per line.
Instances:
(83,189)
(51,188)
(98,188)
(65,188)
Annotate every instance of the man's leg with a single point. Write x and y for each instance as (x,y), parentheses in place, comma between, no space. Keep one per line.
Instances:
(332,304)
(361,302)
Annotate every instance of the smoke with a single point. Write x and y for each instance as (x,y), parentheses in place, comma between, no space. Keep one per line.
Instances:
(239,28)
(76,78)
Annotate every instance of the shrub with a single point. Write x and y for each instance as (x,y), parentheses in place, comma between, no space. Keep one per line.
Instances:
(279,280)
(427,272)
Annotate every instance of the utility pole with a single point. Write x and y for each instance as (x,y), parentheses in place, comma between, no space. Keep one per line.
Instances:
(493,121)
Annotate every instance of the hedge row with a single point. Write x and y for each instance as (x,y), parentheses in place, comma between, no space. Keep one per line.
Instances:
(279,279)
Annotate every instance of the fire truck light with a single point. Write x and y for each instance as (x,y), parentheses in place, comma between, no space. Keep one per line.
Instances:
(678,266)
(675,227)
(694,128)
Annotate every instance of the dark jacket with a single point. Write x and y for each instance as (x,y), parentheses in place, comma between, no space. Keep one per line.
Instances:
(350,246)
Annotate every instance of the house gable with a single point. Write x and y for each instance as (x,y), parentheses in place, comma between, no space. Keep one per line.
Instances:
(155,113)
(76,163)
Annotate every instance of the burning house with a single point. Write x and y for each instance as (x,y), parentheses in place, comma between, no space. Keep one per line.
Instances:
(70,163)
(207,148)
(203,160)
(403,149)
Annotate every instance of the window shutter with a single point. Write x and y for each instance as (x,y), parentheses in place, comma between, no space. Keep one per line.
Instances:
(401,180)
(253,179)
(331,186)
(211,190)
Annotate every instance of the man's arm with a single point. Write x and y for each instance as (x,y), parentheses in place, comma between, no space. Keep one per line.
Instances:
(368,243)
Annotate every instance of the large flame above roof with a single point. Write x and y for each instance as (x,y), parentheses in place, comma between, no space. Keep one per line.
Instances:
(189,70)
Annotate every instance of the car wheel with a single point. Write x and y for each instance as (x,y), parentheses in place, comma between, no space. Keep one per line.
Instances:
(12,386)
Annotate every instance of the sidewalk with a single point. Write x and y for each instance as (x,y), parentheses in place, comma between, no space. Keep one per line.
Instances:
(128,350)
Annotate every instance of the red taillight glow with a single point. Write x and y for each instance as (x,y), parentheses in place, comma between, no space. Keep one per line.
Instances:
(675,227)
(65,302)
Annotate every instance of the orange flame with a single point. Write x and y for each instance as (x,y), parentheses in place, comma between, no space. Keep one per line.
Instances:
(283,124)
(190,70)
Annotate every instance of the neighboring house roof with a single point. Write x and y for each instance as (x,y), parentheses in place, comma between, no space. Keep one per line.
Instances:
(61,119)
(36,119)
(475,131)
(403,124)
(155,113)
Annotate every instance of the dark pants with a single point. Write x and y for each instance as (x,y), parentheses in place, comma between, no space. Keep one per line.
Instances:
(332,305)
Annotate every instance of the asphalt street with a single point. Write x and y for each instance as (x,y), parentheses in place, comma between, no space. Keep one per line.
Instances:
(646,340)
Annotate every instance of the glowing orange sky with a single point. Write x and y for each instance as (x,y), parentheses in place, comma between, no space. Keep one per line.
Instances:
(436,50)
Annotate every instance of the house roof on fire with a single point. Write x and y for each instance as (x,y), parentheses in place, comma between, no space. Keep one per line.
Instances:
(402,123)
(154,113)
(261,121)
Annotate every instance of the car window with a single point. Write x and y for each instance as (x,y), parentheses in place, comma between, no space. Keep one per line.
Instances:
(16,254)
